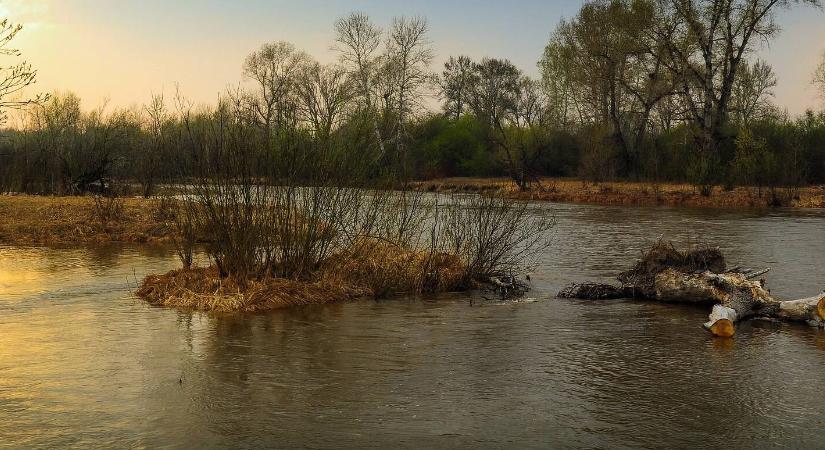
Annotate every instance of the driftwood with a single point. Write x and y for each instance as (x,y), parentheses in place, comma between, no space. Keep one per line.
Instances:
(699,277)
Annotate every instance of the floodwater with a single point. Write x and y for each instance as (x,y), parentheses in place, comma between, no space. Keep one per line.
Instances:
(84,364)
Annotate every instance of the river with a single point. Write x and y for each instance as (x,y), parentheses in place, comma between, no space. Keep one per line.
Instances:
(83,363)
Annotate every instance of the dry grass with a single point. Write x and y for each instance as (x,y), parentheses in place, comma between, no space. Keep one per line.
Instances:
(202,289)
(373,270)
(380,269)
(55,220)
(624,193)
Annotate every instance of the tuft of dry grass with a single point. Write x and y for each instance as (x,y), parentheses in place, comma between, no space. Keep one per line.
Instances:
(373,269)
(381,269)
(26,219)
(204,290)
(625,193)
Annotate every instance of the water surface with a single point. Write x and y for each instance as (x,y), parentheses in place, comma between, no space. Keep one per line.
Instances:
(83,363)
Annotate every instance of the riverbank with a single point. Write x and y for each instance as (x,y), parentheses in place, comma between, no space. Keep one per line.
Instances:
(565,190)
(29,219)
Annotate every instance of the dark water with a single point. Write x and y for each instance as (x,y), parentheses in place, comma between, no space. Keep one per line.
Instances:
(84,364)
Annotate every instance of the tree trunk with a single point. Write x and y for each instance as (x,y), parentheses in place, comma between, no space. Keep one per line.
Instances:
(735,297)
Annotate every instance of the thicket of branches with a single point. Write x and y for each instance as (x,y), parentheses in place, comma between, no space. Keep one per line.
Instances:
(273,199)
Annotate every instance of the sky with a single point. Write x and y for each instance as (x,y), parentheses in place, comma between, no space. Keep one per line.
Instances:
(123,51)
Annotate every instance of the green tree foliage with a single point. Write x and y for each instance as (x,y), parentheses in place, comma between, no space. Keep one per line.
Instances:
(449,148)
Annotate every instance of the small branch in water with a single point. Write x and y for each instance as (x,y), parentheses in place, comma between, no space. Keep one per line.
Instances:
(508,287)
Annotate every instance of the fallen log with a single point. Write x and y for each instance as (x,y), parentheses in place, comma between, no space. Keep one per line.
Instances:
(809,310)
(699,277)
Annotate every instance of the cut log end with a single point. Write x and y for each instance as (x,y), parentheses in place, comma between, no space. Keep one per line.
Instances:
(722,328)
(721,321)
(820,308)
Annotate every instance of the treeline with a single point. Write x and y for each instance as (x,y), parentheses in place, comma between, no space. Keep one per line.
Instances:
(649,90)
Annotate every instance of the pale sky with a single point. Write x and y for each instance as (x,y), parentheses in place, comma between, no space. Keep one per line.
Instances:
(125,50)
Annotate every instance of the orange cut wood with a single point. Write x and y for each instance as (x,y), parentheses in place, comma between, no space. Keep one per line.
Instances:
(723,328)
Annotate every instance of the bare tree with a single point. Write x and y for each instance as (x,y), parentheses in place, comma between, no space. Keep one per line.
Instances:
(819,76)
(409,55)
(15,78)
(752,93)
(707,42)
(273,68)
(324,92)
(358,40)
(455,83)
(149,160)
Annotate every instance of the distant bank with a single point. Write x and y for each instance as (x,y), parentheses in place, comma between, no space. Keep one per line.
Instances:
(566,190)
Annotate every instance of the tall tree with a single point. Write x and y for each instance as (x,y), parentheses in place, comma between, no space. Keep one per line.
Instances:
(454,83)
(513,110)
(752,93)
(707,42)
(273,68)
(324,91)
(358,39)
(409,55)
(495,91)
(604,66)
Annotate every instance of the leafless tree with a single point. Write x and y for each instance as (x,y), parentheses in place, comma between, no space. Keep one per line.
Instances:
(357,41)
(752,93)
(14,78)
(707,42)
(455,83)
(273,68)
(819,76)
(409,55)
(149,160)
(324,91)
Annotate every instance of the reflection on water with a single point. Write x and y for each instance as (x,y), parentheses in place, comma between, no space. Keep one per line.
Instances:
(82,363)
